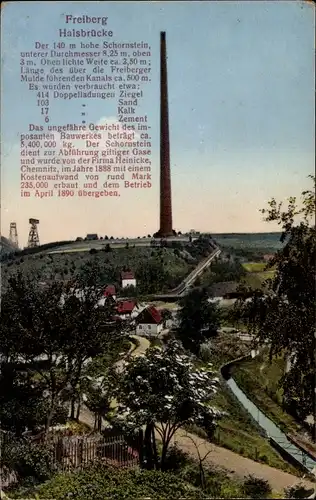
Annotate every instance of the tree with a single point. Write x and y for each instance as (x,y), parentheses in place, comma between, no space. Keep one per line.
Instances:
(92,333)
(151,275)
(201,460)
(99,404)
(285,315)
(224,271)
(52,332)
(95,273)
(163,391)
(22,406)
(31,330)
(199,320)
(166,315)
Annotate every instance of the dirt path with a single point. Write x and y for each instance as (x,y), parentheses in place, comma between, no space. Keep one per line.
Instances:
(236,464)
(143,345)
(222,458)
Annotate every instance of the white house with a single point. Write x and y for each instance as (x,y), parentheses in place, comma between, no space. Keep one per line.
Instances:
(149,322)
(128,279)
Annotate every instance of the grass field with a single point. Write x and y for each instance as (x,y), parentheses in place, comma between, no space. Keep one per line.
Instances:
(257,274)
(254,267)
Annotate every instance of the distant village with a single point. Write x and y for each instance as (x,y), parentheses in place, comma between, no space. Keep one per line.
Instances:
(146,320)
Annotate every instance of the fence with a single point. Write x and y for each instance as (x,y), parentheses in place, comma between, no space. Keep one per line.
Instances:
(76,452)
(73,453)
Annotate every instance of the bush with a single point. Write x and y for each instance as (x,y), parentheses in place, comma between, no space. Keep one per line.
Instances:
(206,353)
(256,487)
(176,459)
(217,484)
(31,462)
(100,483)
(297,491)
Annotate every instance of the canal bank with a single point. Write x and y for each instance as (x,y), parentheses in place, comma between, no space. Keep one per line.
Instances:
(289,451)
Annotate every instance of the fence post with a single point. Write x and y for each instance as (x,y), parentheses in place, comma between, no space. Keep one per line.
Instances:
(80,454)
(59,449)
(141,447)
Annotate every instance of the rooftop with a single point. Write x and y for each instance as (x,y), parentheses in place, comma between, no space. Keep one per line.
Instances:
(126,306)
(127,275)
(222,288)
(110,290)
(149,315)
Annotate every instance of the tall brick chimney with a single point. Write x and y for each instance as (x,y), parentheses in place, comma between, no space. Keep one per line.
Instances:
(165,179)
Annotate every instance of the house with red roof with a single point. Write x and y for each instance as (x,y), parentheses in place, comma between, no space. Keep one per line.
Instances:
(149,322)
(128,279)
(127,309)
(110,292)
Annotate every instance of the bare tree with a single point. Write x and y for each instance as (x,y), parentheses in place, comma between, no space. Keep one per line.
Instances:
(200,459)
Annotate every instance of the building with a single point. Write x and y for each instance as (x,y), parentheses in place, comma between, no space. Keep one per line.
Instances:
(127,309)
(268,256)
(110,292)
(128,279)
(149,322)
(92,237)
(227,290)
(224,290)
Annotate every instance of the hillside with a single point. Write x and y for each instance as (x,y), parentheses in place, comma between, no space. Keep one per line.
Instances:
(163,267)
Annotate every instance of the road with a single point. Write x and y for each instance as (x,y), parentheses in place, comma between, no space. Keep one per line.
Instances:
(236,464)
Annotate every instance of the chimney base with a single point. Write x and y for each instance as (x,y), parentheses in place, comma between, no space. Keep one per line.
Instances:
(165,234)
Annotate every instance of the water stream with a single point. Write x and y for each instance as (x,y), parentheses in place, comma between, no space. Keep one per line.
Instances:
(271,429)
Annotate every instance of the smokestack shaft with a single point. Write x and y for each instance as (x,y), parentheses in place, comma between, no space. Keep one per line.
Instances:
(165,180)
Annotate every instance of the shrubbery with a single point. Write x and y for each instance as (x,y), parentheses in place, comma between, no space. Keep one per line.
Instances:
(296,491)
(206,353)
(31,462)
(176,459)
(99,484)
(255,487)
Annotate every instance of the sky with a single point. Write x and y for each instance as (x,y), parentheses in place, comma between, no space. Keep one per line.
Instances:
(241,112)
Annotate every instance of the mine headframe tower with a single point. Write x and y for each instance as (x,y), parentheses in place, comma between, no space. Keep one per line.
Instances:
(33,240)
(13,236)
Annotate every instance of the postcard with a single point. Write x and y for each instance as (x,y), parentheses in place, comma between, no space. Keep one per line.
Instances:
(145,148)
